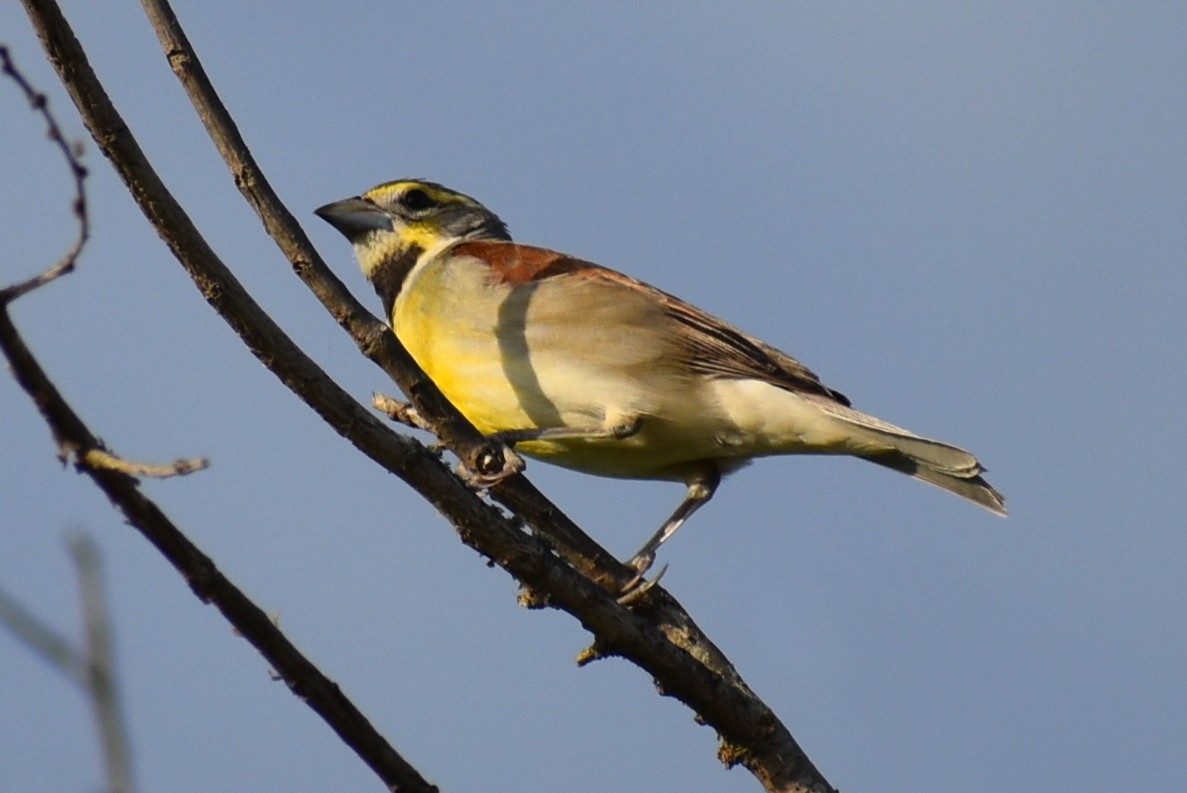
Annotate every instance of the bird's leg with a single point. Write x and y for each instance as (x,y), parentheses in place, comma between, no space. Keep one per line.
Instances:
(615,432)
(700,490)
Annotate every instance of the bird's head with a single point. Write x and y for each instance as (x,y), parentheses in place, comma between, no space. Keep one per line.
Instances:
(397,221)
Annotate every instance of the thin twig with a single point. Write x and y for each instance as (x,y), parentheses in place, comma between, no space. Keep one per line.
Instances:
(658,635)
(97,458)
(102,683)
(75,439)
(751,733)
(92,669)
(207,582)
(78,171)
(373,337)
(402,412)
(35,634)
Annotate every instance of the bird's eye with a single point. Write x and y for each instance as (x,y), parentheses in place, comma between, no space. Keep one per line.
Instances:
(416,200)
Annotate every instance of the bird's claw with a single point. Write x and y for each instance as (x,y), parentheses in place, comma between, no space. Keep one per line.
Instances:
(638,587)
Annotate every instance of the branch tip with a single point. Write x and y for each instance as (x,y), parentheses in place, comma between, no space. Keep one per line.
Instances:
(104,460)
(399,411)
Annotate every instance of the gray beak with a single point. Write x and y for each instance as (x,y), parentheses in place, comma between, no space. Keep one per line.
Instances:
(354,217)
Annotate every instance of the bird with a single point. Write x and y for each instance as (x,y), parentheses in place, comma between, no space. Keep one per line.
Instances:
(590,369)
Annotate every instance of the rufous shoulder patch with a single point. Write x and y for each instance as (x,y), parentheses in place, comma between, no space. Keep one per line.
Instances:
(511,263)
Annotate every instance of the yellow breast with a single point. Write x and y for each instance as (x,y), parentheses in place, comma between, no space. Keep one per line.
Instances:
(560,353)
(446,315)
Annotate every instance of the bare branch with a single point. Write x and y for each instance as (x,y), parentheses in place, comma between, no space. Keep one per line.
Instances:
(100,657)
(373,338)
(92,670)
(97,458)
(40,103)
(55,648)
(204,578)
(208,583)
(402,412)
(657,634)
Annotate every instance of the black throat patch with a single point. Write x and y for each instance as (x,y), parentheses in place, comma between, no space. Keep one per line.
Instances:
(388,277)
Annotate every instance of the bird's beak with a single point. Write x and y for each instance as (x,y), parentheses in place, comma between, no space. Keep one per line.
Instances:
(354,217)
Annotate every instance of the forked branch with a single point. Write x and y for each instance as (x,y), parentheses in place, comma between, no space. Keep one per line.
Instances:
(656,634)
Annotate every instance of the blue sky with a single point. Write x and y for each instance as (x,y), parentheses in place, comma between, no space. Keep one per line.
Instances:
(967,217)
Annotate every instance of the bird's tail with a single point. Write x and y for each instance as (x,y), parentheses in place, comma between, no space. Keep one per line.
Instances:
(936,463)
(968,485)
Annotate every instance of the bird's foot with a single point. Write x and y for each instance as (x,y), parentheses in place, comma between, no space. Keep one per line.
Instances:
(490,464)
(638,587)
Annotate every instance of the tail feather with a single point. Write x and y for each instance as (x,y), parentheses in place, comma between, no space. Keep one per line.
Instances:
(971,486)
(936,463)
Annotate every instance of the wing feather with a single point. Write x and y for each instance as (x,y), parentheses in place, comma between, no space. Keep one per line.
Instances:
(705,344)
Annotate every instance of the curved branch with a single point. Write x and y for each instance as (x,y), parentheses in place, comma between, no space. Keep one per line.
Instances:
(204,578)
(78,171)
(92,669)
(658,635)
(101,459)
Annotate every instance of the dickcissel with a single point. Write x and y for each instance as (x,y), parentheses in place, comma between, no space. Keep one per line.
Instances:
(590,369)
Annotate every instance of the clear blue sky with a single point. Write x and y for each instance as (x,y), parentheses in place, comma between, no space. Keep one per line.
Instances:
(967,217)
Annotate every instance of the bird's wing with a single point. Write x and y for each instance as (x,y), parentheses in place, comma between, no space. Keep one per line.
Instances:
(718,349)
(707,345)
